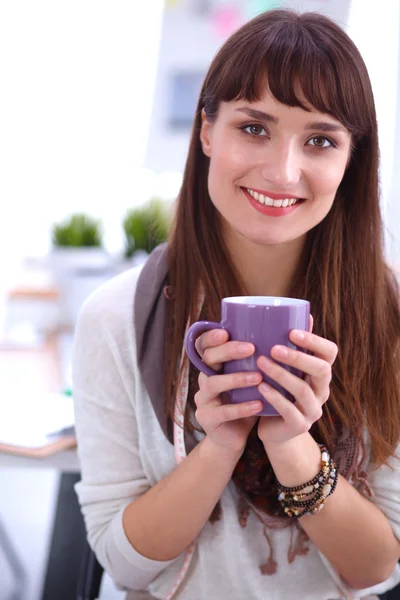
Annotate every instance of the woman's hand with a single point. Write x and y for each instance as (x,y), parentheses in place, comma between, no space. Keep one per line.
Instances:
(310,393)
(227,425)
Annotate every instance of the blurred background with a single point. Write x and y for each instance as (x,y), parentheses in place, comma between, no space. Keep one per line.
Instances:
(96,106)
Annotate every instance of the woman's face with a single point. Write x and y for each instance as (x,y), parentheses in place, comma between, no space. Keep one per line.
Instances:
(274,169)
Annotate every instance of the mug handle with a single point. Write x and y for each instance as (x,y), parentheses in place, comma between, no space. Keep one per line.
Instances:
(191,336)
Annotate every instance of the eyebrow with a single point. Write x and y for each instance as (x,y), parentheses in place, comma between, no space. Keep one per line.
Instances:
(263,116)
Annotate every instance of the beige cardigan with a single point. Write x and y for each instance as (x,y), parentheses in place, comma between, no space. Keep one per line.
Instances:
(123,452)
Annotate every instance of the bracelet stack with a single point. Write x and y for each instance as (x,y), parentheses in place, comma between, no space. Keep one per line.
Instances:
(310,497)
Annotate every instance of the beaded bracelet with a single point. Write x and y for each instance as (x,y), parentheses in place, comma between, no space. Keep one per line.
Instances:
(314,492)
(315,503)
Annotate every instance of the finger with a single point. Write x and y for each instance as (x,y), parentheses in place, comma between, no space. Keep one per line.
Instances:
(214,337)
(311,365)
(212,387)
(294,419)
(212,417)
(300,389)
(320,371)
(217,355)
(321,347)
(311,324)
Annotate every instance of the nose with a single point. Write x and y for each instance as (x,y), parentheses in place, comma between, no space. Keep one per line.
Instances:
(282,168)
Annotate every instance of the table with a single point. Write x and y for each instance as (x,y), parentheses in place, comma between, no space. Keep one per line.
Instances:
(65,462)
(68,531)
(42,369)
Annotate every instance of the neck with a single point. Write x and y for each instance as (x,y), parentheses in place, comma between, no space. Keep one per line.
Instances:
(266,270)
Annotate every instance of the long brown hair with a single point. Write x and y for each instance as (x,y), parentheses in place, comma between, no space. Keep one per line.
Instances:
(354,295)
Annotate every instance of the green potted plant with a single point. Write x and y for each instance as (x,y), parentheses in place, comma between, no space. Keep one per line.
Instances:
(145,227)
(77,242)
(78,231)
(78,261)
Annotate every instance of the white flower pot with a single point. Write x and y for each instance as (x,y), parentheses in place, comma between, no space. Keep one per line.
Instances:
(76,272)
(72,259)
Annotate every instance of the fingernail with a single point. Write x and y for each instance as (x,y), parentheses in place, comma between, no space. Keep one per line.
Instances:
(255,404)
(300,335)
(264,387)
(244,348)
(219,333)
(281,351)
(265,362)
(252,377)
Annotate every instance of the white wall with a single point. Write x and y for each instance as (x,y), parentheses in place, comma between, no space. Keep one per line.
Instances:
(187,44)
(77,80)
(393,206)
(377,35)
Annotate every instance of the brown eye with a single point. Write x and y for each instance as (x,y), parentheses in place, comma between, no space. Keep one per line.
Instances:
(319,142)
(256,129)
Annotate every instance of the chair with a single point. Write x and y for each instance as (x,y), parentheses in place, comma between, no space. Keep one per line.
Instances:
(393,594)
(90,576)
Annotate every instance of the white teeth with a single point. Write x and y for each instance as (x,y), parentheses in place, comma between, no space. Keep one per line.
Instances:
(269,202)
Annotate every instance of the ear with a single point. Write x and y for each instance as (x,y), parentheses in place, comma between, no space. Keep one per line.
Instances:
(205,133)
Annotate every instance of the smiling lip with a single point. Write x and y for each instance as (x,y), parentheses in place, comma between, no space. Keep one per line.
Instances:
(273,196)
(271,211)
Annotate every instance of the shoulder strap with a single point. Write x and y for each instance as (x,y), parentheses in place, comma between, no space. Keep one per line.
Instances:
(149,323)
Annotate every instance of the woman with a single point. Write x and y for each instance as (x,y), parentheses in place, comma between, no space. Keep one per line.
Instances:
(279,198)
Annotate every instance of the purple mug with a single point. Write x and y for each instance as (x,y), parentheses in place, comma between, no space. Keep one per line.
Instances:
(265,321)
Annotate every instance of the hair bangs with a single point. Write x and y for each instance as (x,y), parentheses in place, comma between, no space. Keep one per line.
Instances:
(300,66)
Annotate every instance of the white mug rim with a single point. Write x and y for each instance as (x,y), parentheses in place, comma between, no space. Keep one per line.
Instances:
(265,301)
